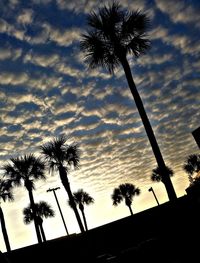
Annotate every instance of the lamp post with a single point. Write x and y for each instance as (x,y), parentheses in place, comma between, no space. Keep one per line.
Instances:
(54,192)
(151,190)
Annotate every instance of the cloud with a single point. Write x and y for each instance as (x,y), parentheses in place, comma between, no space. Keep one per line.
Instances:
(9,78)
(48,32)
(26,17)
(10,53)
(87,6)
(43,60)
(11,30)
(180,12)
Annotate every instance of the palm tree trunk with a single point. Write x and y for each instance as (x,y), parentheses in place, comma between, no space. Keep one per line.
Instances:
(131,211)
(84,219)
(34,215)
(42,232)
(157,153)
(65,182)
(4,231)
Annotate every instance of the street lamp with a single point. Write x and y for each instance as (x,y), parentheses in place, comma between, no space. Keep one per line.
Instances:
(54,189)
(151,190)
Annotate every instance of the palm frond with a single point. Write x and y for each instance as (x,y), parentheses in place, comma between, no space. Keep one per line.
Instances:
(138,45)
(72,155)
(28,215)
(116,196)
(134,23)
(12,171)
(44,210)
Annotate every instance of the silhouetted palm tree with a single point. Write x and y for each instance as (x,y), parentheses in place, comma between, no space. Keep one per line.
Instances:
(43,209)
(192,166)
(61,156)
(114,33)
(157,175)
(82,198)
(26,169)
(5,194)
(125,192)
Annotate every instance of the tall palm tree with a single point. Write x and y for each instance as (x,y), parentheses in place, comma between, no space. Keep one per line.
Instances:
(114,34)
(125,192)
(61,156)
(157,175)
(192,166)
(5,194)
(43,210)
(82,198)
(26,170)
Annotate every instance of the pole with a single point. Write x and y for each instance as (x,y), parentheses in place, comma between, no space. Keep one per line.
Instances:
(151,190)
(54,189)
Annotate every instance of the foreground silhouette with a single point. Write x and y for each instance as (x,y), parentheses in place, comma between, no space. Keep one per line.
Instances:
(3,258)
(147,236)
(115,33)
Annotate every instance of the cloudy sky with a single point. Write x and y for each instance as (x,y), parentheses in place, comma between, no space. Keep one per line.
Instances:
(46,90)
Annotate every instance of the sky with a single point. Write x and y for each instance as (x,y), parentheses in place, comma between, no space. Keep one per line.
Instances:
(47,90)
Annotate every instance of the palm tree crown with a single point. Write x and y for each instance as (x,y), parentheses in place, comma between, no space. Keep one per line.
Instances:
(156,175)
(81,197)
(43,209)
(27,169)
(192,166)
(125,192)
(58,153)
(114,34)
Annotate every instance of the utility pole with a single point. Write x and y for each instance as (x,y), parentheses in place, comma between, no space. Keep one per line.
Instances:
(151,190)
(54,192)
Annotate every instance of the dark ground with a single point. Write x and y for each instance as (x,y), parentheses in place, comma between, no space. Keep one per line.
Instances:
(166,233)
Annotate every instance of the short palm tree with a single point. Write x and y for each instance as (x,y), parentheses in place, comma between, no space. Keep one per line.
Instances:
(114,34)
(125,192)
(26,170)
(61,156)
(5,194)
(82,198)
(43,210)
(192,166)
(157,175)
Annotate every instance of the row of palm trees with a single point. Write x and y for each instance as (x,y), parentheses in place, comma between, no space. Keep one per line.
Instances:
(58,155)
(44,210)
(26,170)
(127,191)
